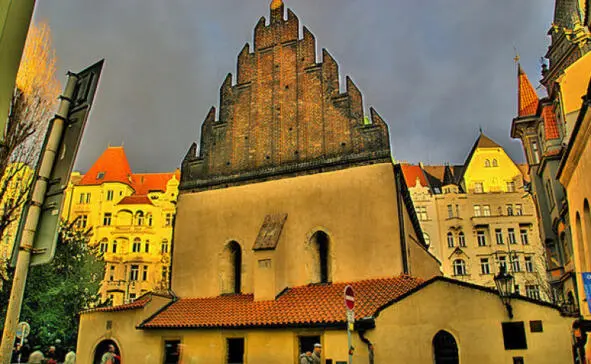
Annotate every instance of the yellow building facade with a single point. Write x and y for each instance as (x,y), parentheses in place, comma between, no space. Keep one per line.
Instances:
(131,220)
(478,217)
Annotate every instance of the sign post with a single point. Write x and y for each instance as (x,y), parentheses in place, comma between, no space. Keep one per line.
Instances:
(38,231)
(23,330)
(350,305)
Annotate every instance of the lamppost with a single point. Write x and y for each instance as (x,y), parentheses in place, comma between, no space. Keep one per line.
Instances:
(504,283)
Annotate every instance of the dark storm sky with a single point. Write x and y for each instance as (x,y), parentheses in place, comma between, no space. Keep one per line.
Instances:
(436,70)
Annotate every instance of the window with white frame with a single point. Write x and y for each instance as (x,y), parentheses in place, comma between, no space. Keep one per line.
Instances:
(503,263)
(518,209)
(476,210)
(495,163)
(509,210)
(462,239)
(104,246)
(524,236)
(511,186)
(450,211)
(478,187)
(481,238)
(134,272)
(450,240)
(110,195)
(459,266)
(486,210)
(164,246)
(137,246)
(532,291)
(535,152)
(140,218)
(512,239)
(529,264)
(516,264)
(107,219)
(484,266)
(82,221)
(499,236)
(487,163)
(422,213)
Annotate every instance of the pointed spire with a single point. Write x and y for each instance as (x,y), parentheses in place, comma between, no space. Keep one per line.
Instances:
(527,99)
(448,177)
(276,4)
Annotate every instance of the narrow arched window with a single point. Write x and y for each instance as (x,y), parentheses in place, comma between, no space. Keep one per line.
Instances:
(487,163)
(139,216)
(450,240)
(462,239)
(495,163)
(232,268)
(445,348)
(321,248)
(459,267)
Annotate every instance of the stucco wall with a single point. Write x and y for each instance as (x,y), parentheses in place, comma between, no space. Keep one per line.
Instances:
(356,207)
(474,318)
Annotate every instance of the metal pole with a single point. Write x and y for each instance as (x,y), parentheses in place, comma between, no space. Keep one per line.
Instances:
(349,343)
(25,247)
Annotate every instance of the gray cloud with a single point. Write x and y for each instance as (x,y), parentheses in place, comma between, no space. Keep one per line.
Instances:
(437,70)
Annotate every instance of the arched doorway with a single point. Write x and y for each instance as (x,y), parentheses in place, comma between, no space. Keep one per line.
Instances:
(445,349)
(102,348)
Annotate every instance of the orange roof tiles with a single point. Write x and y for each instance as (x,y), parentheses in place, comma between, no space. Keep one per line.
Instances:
(313,304)
(138,303)
(135,200)
(144,183)
(527,99)
(550,123)
(113,166)
(411,173)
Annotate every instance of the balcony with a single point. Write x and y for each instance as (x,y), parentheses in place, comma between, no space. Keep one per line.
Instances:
(132,229)
(495,219)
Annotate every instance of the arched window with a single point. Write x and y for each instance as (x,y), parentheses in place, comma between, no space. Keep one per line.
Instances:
(580,242)
(139,217)
(459,267)
(149,219)
(450,240)
(445,349)
(462,239)
(487,163)
(232,268)
(427,239)
(321,246)
(495,163)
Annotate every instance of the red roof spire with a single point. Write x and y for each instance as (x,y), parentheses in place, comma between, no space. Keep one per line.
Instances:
(527,99)
(111,166)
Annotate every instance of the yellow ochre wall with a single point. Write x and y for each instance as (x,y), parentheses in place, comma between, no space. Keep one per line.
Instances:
(494,179)
(404,332)
(356,207)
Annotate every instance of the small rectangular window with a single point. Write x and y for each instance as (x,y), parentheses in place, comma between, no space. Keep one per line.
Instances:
(172,351)
(524,237)
(503,263)
(235,351)
(450,211)
(477,210)
(509,210)
(536,326)
(529,264)
(457,210)
(510,186)
(499,236)
(514,335)
(478,187)
(518,209)
(100,175)
(481,238)
(145,273)
(112,273)
(147,247)
(88,198)
(486,210)
(512,238)
(114,246)
(484,266)
(81,200)
(535,152)
(168,219)
(134,273)
(110,195)
(516,265)
(107,219)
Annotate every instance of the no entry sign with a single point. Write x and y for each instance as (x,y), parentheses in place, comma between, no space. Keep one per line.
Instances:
(349,298)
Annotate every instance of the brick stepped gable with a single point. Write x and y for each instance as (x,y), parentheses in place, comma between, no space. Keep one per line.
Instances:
(285,116)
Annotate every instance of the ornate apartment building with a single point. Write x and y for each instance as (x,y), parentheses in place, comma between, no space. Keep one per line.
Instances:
(131,216)
(476,217)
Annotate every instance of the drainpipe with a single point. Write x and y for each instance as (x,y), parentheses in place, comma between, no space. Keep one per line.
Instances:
(401,222)
(369,345)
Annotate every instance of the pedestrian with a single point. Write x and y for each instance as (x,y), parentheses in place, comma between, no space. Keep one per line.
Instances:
(110,357)
(306,358)
(36,356)
(51,355)
(70,357)
(317,354)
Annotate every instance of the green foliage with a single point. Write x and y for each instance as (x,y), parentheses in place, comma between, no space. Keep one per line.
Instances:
(56,293)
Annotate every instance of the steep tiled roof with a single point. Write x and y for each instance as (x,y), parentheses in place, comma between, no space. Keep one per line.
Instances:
(550,123)
(527,99)
(313,304)
(111,166)
(144,183)
(411,173)
(448,177)
(135,200)
(138,303)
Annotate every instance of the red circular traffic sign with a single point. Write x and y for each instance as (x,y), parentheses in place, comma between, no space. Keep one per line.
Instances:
(349,298)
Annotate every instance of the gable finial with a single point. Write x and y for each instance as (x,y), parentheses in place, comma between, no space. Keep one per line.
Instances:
(516,58)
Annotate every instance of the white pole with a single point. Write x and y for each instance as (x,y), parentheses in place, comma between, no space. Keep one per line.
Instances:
(25,247)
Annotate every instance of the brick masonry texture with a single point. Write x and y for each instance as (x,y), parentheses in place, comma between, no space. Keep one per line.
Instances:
(285,116)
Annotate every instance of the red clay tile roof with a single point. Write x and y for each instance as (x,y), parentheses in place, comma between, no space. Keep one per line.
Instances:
(138,303)
(527,99)
(313,304)
(550,123)
(143,183)
(135,200)
(113,163)
(411,173)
